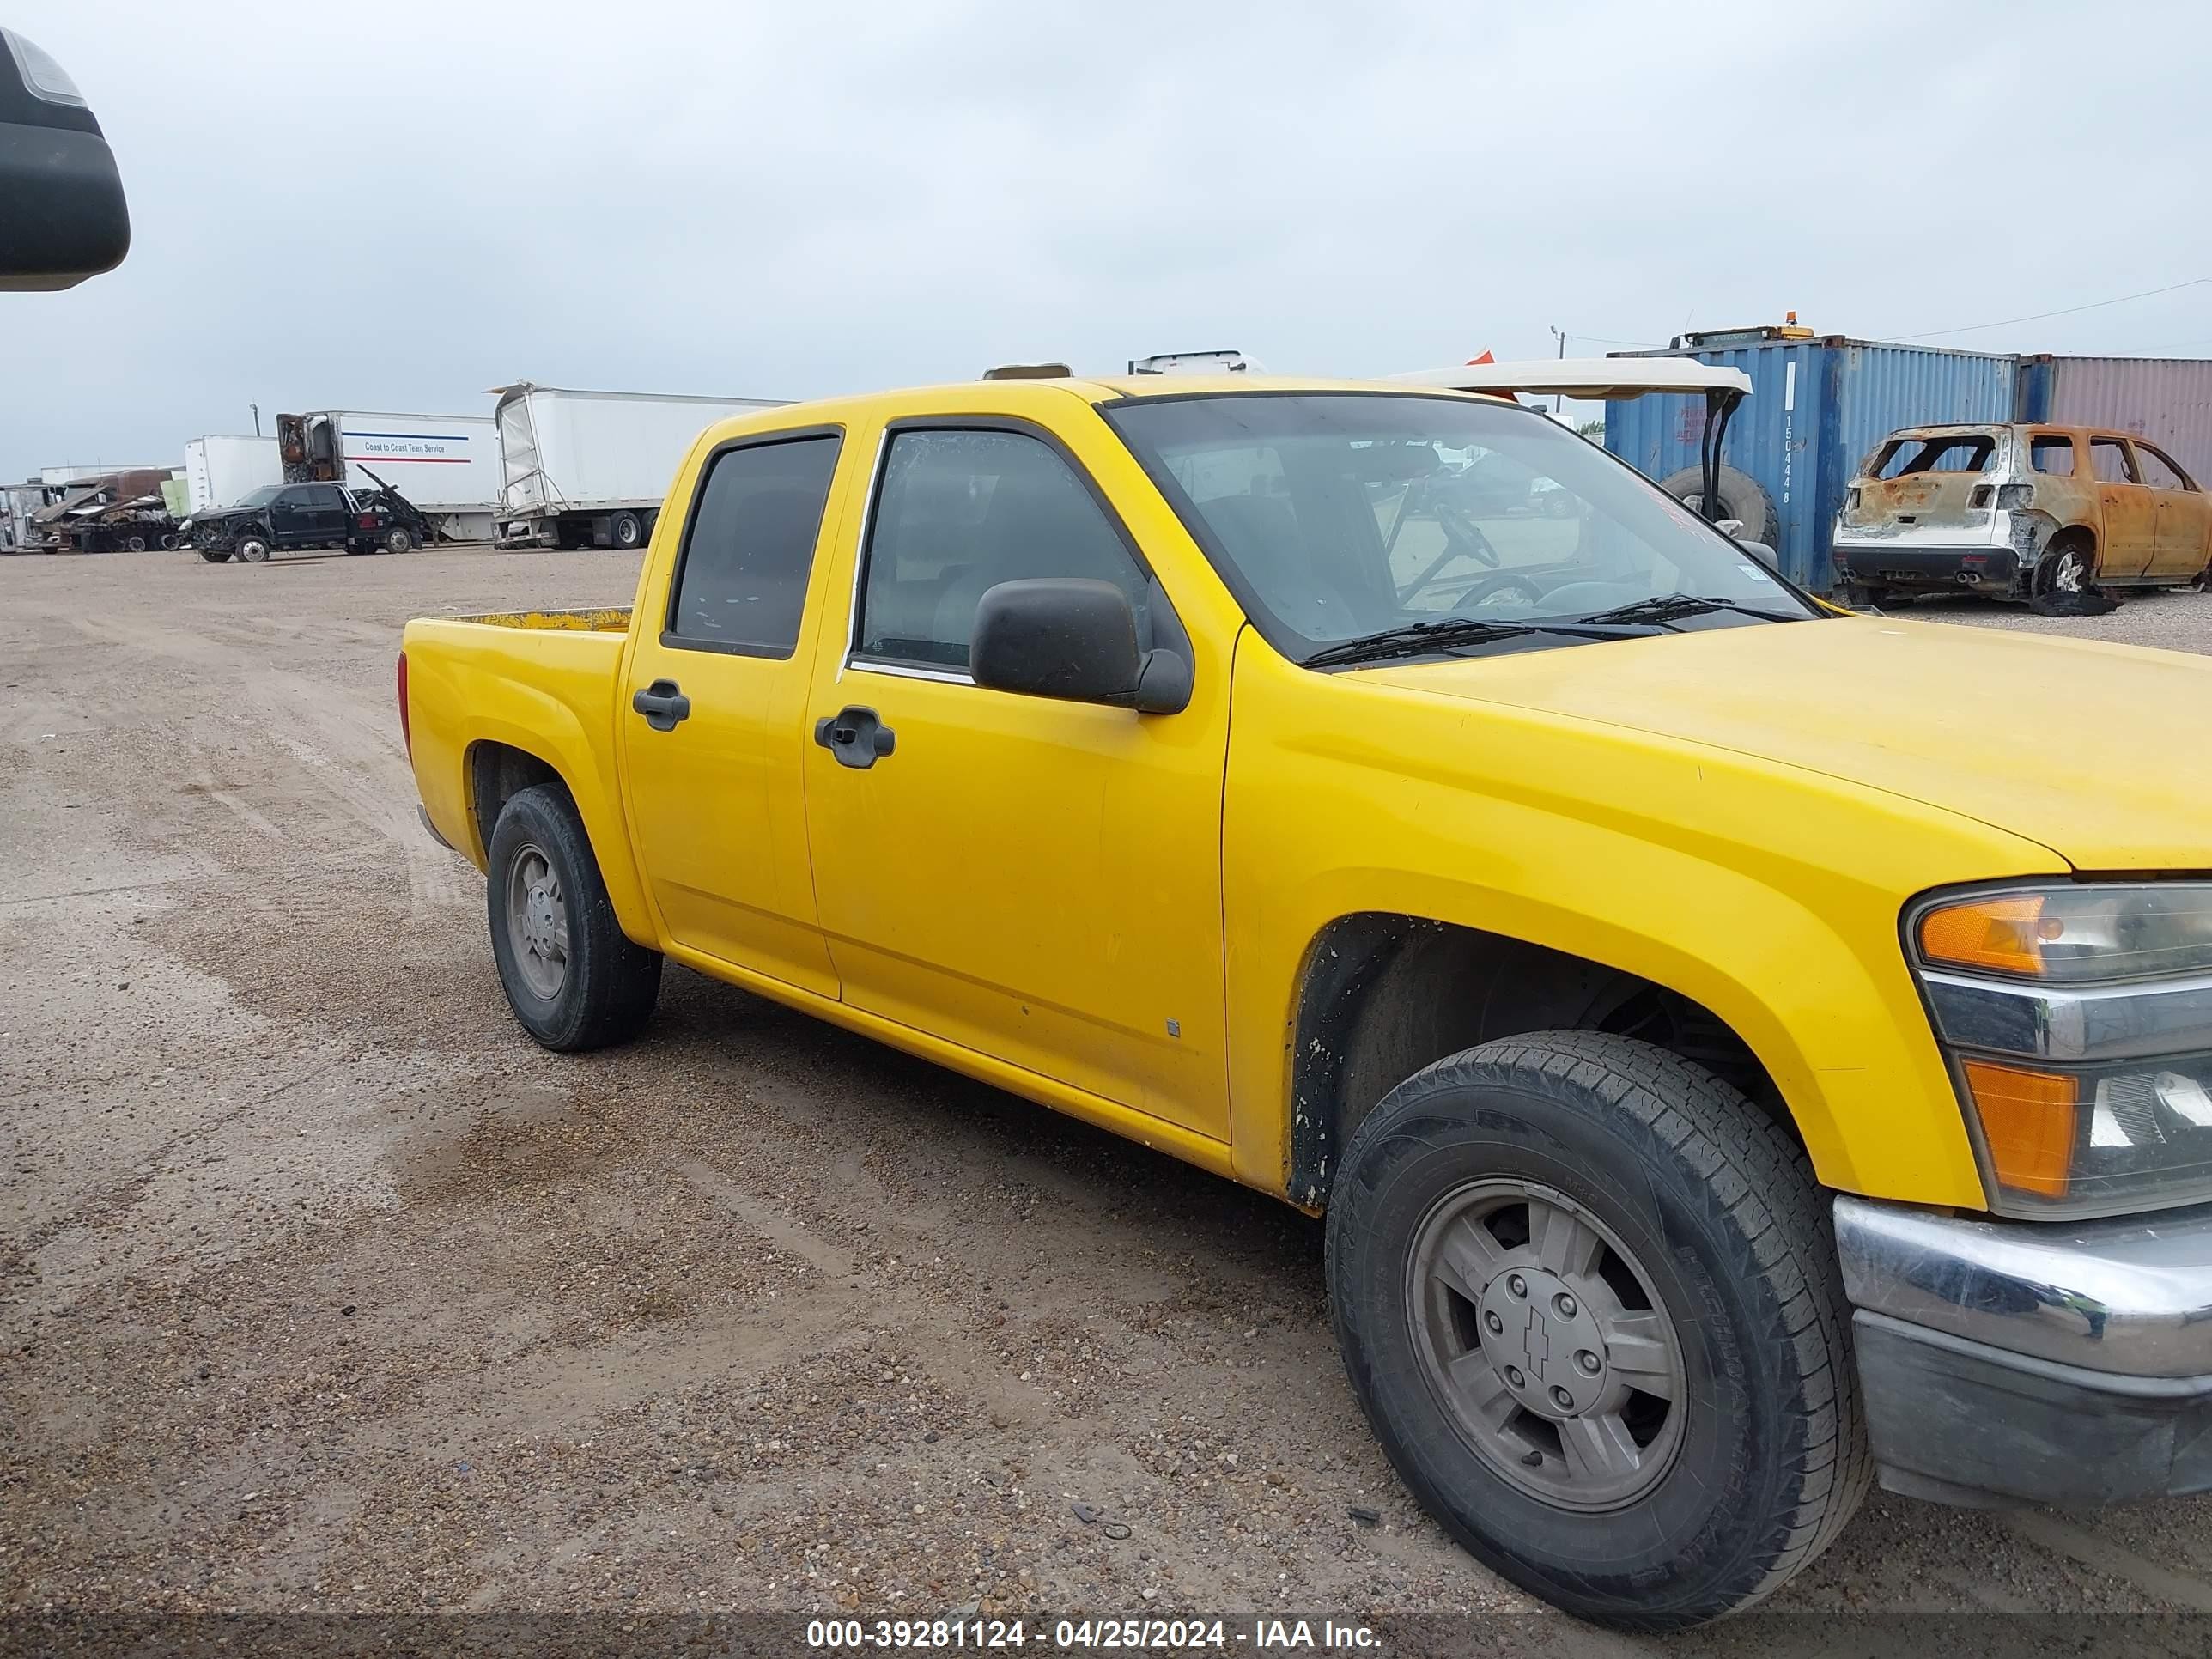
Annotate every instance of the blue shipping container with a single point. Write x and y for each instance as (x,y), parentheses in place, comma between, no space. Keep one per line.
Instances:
(1816,409)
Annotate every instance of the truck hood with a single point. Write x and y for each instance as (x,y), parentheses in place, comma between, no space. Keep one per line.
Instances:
(2095,750)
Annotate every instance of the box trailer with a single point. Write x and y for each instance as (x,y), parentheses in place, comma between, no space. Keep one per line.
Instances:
(1819,405)
(590,469)
(448,465)
(221,467)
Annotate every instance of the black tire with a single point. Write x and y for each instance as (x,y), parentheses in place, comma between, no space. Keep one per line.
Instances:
(1743,496)
(215,555)
(1863,596)
(607,990)
(398,539)
(2069,565)
(1719,1213)
(626,531)
(134,543)
(252,546)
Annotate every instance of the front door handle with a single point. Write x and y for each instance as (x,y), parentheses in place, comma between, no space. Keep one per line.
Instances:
(662,705)
(856,737)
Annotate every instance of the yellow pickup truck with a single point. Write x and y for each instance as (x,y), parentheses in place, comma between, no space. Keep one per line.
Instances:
(1741,1049)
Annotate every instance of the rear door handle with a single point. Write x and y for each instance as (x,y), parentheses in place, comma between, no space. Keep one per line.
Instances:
(663,705)
(855,736)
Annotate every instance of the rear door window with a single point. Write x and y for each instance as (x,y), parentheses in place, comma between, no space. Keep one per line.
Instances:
(741,576)
(2051,453)
(2158,472)
(2108,457)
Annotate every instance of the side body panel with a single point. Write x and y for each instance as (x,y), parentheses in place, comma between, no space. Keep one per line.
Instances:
(717,805)
(2127,512)
(1679,862)
(1035,879)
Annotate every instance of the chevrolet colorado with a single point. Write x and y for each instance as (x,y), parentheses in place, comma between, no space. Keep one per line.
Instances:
(1740,1050)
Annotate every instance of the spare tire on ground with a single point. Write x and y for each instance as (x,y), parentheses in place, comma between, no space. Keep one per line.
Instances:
(1743,496)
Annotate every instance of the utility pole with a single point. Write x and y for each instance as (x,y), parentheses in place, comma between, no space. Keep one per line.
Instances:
(1562,355)
(256,408)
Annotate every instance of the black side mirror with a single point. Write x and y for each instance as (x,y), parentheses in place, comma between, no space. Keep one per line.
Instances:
(1075,639)
(62,217)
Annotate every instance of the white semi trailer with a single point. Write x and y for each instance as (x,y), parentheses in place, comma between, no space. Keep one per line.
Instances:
(221,468)
(590,469)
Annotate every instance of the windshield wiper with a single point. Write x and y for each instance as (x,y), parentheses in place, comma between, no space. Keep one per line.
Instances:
(1661,607)
(1414,638)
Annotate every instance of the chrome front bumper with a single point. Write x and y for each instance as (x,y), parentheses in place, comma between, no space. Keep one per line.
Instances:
(2007,1362)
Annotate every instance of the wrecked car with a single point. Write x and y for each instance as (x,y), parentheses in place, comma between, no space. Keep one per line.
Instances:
(281,517)
(2019,511)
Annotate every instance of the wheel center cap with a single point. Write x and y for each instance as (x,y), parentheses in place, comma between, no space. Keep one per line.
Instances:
(537,921)
(1540,1338)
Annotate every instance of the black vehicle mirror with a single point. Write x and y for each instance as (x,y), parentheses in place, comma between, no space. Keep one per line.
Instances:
(62,217)
(1075,639)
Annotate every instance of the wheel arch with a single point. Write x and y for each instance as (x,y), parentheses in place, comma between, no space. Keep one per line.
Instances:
(495,769)
(1382,994)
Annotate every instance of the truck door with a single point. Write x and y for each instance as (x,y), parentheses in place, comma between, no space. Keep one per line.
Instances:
(713,713)
(292,517)
(2131,510)
(1036,880)
(2184,516)
(331,515)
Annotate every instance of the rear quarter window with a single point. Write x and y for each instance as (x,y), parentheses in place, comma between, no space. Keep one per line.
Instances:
(2051,453)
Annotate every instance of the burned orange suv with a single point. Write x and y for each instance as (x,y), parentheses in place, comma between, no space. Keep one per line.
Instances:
(2019,513)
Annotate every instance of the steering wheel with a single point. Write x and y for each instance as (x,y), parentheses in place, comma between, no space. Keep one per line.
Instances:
(1463,535)
(1483,587)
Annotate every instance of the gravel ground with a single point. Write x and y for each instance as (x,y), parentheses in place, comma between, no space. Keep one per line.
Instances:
(322,1288)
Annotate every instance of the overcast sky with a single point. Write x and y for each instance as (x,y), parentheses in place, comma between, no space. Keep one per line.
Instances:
(398,206)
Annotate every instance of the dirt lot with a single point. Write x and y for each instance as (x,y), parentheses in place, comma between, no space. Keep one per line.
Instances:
(320,1287)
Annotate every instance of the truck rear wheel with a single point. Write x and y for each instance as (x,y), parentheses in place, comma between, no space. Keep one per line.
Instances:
(398,539)
(1587,1296)
(573,979)
(253,547)
(625,530)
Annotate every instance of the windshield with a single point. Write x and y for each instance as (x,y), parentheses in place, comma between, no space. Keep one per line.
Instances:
(1339,516)
(260,497)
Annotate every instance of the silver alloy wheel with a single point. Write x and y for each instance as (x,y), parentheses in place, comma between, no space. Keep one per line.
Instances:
(1542,1337)
(252,550)
(538,922)
(2068,574)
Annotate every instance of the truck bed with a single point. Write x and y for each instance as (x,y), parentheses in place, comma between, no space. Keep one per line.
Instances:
(545,682)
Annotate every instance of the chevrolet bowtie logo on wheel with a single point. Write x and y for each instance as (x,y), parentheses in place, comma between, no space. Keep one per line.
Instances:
(1536,1343)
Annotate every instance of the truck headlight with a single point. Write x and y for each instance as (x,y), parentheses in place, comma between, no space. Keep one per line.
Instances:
(2078,1021)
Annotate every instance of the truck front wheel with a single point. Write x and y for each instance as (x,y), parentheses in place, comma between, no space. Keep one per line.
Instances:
(1587,1296)
(572,978)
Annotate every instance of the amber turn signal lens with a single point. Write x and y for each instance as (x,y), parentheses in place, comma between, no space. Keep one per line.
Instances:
(2004,933)
(2028,1122)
